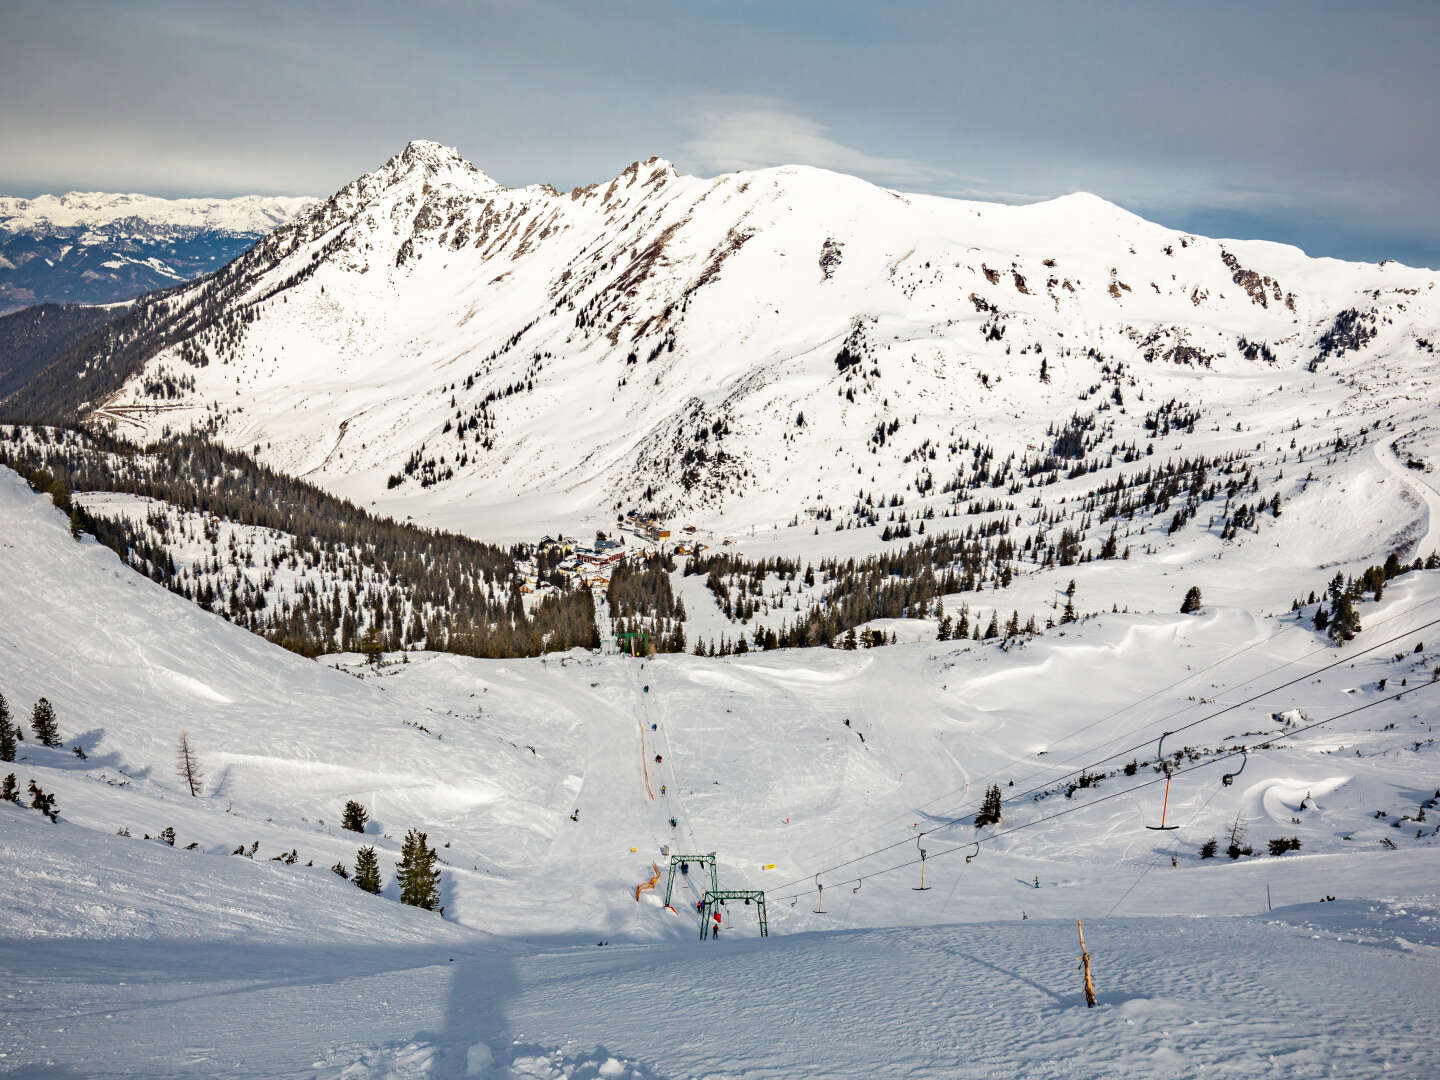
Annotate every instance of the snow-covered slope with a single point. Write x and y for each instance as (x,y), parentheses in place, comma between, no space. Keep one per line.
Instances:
(740,349)
(97,247)
(796,767)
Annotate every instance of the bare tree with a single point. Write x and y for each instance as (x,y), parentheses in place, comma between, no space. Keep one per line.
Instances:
(187,764)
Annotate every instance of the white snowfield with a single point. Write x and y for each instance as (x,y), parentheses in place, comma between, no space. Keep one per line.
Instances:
(245,214)
(123,956)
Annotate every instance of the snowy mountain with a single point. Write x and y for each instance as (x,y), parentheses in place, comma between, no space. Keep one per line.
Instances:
(740,350)
(97,248)
(1011,445)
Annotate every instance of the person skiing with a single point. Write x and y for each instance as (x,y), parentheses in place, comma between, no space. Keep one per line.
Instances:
(576,815)
(673,823)
(658,759)
(662,789)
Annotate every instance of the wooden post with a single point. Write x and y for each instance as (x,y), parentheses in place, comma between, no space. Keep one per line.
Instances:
(1085,964)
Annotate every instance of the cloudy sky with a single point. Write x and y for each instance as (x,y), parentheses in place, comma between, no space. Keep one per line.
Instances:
(1314,123)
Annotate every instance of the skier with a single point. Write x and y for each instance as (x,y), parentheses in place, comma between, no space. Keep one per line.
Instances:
(576,815)
(1037,881)
(673,823)
(684,868)
(658,759)
(647,689)
(662,789)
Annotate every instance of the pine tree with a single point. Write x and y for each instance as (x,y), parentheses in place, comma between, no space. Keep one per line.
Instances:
(339,868)
(372,646)
(943,633)
(354,817)
(187,764)
(417,874)
(10,790)
(367,870)
(989,809)
(1192,602)
(7,732)
(43,724)
(1208,849)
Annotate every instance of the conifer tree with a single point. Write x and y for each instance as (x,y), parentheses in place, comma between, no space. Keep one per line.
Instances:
(7,732)
(367,870)
(10,790)
(371,645)
(417,874)
(354,817)
(1192,602)
(187,764)
(989,809)
(43,724)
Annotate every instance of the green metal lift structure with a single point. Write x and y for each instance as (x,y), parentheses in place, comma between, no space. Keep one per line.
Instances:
(637,640)
(715,897)
(702,861)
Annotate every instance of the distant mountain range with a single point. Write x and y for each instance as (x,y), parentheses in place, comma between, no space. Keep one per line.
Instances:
(98,248)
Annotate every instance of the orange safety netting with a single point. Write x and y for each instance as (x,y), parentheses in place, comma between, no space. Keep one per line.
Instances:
(648,884)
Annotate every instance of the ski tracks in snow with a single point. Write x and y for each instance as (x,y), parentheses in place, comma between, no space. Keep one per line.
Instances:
(1428,494)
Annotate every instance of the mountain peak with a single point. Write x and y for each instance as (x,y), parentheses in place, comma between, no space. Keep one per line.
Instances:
(435,160)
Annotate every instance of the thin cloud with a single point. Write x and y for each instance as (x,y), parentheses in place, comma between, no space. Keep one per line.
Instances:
(747,134)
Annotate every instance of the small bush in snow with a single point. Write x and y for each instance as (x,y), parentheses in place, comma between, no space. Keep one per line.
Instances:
(45,803)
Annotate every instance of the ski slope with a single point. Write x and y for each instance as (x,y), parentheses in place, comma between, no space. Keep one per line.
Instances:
(161,961)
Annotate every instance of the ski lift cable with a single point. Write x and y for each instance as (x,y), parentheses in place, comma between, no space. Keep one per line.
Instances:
(885,823)
(1348,657)
(1133,789)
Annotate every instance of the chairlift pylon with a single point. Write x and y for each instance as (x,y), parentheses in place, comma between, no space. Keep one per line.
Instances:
(1165,805)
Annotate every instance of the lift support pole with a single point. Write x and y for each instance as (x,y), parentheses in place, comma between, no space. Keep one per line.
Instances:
(702,860)
(715,896)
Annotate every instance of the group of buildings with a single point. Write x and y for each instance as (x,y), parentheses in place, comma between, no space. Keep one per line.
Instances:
(589,564)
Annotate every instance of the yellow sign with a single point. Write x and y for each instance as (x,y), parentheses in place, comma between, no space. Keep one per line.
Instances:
(768,866)
(633,849)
